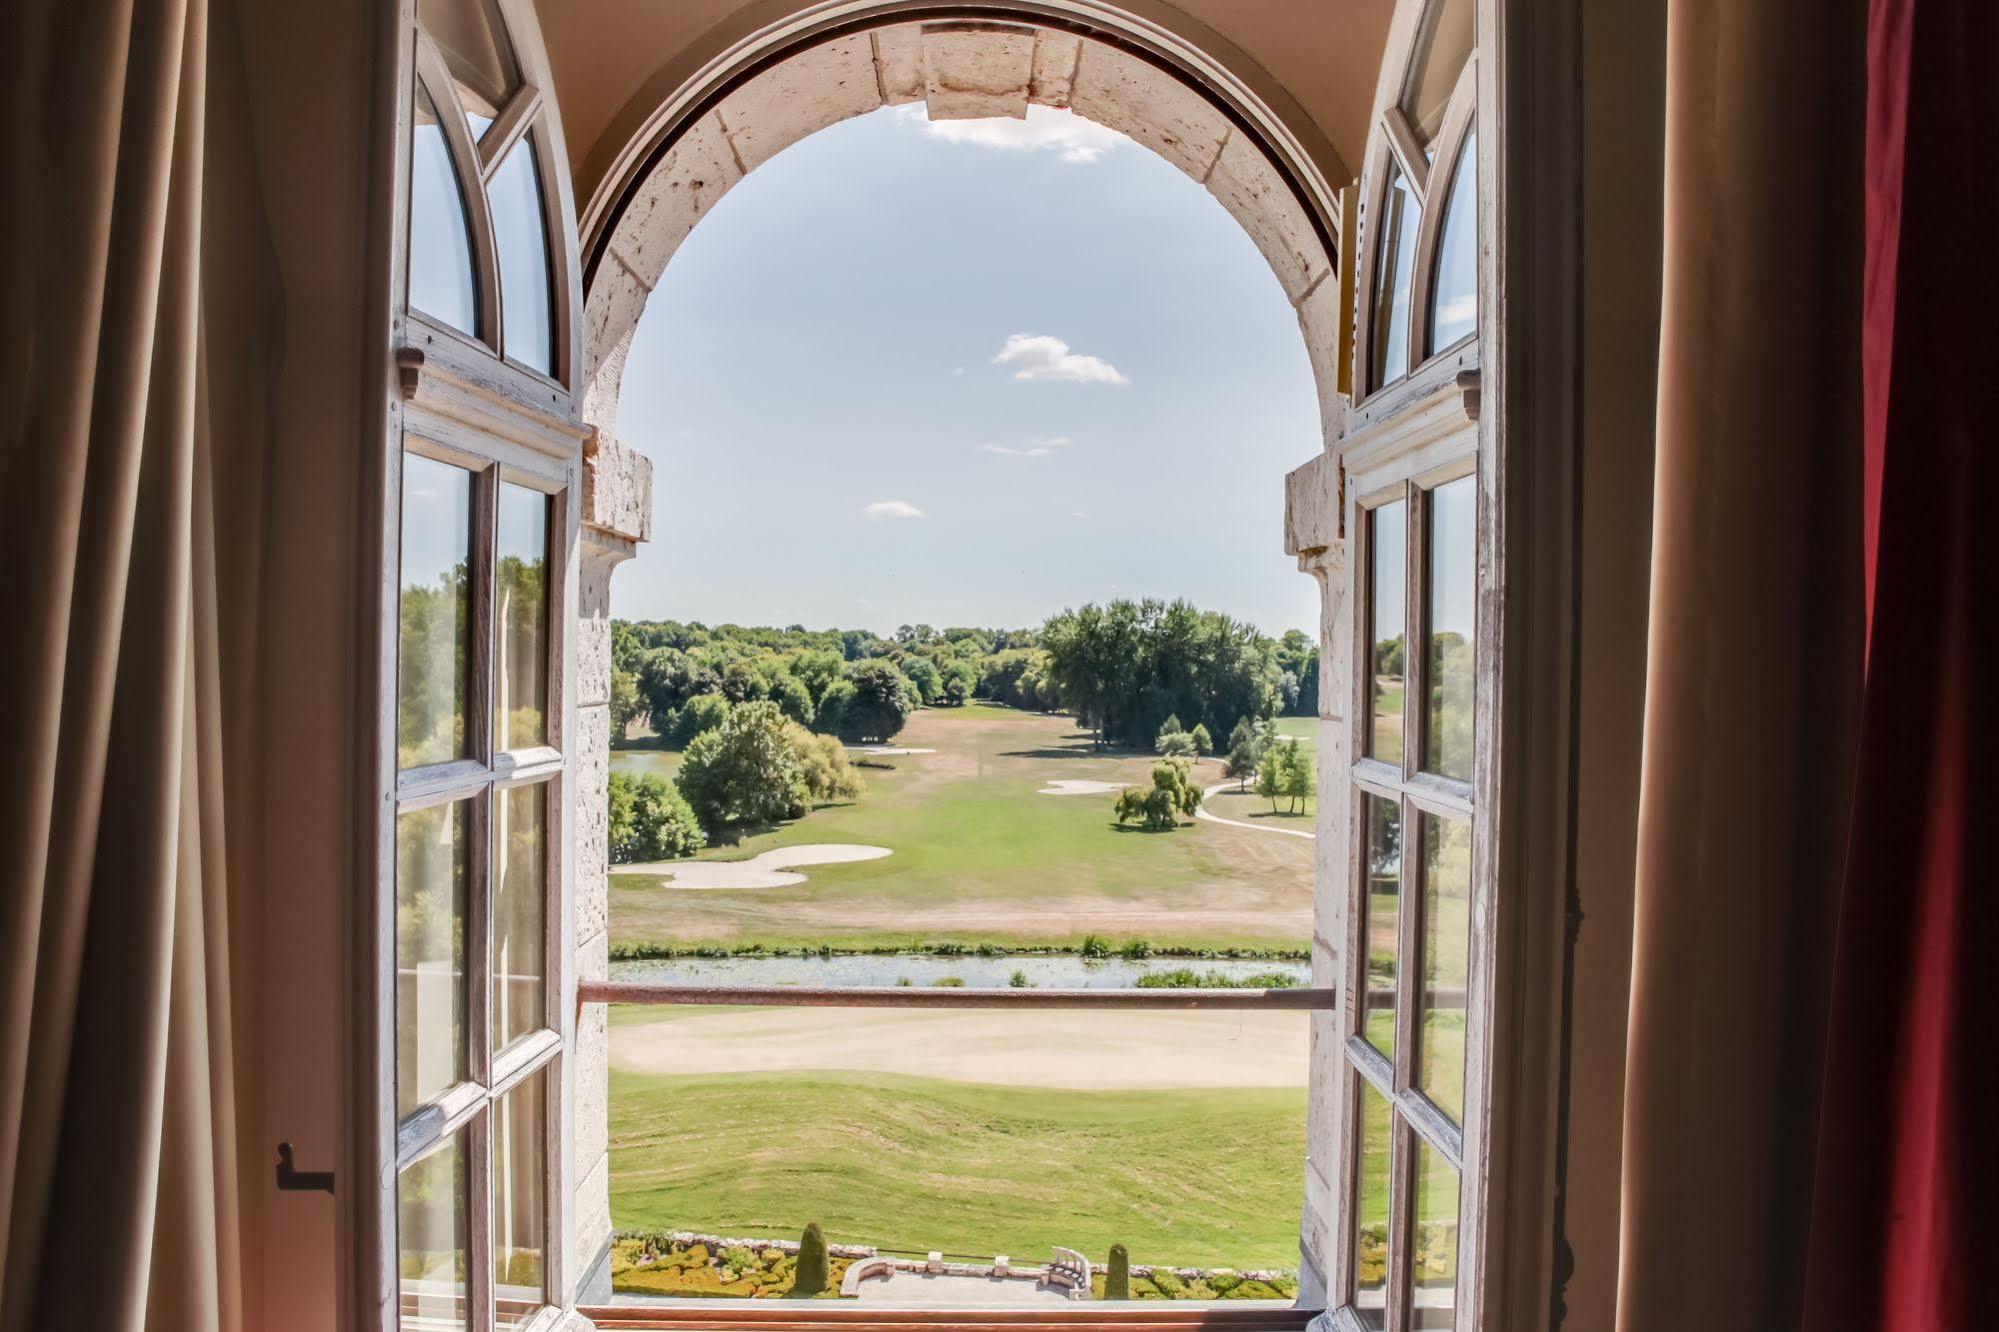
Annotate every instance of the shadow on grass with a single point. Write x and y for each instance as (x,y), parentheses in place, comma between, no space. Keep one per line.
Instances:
(1141,828)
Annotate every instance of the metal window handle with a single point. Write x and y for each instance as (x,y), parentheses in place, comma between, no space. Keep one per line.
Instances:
(291,1178)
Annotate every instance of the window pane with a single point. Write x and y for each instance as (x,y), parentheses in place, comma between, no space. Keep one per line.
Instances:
(1447,737)
(520,1189)
(1434,1301)
(1387,542)
(1454,302)
(520,693)
(1373,1182)
(1449,31)
(431,657)
(1381,919)
(1440,1038)
(431,1238)
(440,239)
(522,239)
(430,952)
(520,836)
(1395,263)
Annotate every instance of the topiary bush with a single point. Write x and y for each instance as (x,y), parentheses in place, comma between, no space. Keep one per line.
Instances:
(809,1276)
(1117,1278)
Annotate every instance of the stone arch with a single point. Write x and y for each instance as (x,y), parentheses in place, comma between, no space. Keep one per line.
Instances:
(958,69)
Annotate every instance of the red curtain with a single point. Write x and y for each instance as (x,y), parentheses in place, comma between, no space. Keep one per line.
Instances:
(1906,1209)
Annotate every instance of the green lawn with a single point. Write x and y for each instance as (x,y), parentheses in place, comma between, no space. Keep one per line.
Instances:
(1209,1178)
(979,856)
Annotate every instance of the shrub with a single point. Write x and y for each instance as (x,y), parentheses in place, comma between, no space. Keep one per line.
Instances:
(1095,946)
(744,772)
(1117,1280)
(1159,809)
(650,820)
(948,983)
(697,716)
(1019,981)
(1135,950)
(809,1276)
(823,766)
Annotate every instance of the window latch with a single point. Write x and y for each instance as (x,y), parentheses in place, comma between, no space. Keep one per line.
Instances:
(292,1179)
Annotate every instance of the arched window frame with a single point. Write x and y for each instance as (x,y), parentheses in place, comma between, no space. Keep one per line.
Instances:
(1394,142)
(527,117)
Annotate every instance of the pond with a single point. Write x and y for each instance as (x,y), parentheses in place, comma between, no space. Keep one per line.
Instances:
(660,762)
(1069,973)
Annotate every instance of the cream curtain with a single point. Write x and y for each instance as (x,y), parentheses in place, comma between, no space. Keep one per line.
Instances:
(118,1093)
(1755,662)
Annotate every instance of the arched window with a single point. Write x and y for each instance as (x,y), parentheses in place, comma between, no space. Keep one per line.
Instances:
(470,1043)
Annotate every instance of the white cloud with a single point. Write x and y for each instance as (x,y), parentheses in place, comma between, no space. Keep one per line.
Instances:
(958,372)
(1039,448)
(1038,356)
(881,509)
(1046,129)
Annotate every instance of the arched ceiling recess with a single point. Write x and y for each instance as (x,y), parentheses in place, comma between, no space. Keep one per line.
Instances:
(788,86)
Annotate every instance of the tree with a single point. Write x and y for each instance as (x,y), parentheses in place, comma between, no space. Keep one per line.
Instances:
(823,766)
(1270,776)
(650,820)
(1175,744)
(924,676)
(1160,808)
(745,771)
(697,716)
(1204,744)
(882,702)
(794,700)
(809,1277)
(1117,1276)
(960,678)
(833,707)
(624,703)
(1294,777)
(1242,759)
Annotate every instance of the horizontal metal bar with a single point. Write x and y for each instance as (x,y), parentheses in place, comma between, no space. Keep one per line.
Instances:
(910,996)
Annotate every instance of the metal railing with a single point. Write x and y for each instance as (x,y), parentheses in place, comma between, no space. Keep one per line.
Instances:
(1299,999)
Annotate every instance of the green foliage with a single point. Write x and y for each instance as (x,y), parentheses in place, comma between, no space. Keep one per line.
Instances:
(823,766)
(1204,744)
(1127,667)
(809,1278)
(882,702)
(834,705)
(1173,794)
(960,679)
(1117,1276)
(650,821)
(924,677)
(1186,978)
(1135,950)
(794,699)
(430,665)
(697,716)
(625,703)
(1095,946)
(948,983)
(1019,981)
(1175,744)
(745,771)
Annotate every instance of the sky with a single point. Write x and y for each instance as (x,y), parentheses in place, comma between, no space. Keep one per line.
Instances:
(966,373)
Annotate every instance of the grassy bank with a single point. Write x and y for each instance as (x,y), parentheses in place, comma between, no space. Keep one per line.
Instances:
(1209,1178)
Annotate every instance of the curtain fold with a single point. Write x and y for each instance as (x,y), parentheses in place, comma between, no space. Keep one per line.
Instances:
(1904,1222)
(118,1204)
(1754,661)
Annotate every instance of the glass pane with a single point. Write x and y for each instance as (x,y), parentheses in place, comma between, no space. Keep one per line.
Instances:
(430,952)
(522,240)
(431,1238)
(431,656)
(1440,1038)
(1387,543)
(1434,1301)
(520,835)
(1447,737)
(440,238)
(1449,31)
(1381,919)
(475,121)
(472,37)
(1395,263)
(520,575)
(1373,1182)
(1454,302)
(520,1190)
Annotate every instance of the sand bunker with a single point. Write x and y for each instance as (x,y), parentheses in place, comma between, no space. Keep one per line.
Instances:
(769,870)
(1078,786)
(884,751)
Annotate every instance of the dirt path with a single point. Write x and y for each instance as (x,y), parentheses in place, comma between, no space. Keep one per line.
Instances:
(1122,1051)
(1202,813)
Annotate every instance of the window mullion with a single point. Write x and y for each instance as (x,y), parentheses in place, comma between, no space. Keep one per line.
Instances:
(1401,1222)
(479,1228)
(1415,621)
